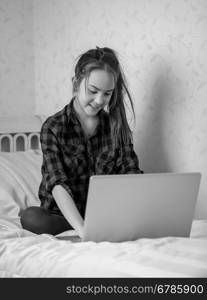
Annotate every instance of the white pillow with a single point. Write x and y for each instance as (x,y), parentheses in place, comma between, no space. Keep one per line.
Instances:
(20,176)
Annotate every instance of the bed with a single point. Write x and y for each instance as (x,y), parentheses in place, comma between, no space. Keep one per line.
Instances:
(24,254)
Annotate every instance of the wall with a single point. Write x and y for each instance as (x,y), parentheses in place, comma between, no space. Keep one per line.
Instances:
(17,93)
(162,46)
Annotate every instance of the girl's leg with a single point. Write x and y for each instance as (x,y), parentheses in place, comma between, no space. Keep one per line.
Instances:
(39,220)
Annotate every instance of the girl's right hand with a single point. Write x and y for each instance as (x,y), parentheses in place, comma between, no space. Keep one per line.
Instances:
(80,231)
(68,209)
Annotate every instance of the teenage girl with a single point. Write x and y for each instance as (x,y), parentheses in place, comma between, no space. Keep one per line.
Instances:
(88,136)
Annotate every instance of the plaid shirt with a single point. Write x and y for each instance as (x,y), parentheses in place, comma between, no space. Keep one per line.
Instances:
(69,158)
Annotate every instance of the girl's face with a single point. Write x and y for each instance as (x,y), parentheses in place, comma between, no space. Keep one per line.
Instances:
(94,94)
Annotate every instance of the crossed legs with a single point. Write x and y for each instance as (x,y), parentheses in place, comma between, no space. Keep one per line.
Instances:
(39,220)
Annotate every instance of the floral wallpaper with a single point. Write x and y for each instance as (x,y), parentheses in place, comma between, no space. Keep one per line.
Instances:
(162,45)
(17,93)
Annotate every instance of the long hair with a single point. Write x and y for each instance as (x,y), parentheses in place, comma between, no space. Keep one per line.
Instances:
(106,59)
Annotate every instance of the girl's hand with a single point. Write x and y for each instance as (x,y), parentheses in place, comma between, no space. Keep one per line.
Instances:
(68,209)
(80,231)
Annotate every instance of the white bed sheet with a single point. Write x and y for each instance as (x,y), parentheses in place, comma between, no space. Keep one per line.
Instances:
(24,254)
(19,181)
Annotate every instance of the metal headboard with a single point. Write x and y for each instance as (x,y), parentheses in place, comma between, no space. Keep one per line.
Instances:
(20,133)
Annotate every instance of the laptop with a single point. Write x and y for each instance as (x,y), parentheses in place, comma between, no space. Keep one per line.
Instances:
(128,207)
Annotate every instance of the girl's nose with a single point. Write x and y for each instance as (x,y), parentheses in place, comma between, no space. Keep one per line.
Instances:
(99,100)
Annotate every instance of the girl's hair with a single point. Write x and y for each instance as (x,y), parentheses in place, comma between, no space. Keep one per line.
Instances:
(106,59)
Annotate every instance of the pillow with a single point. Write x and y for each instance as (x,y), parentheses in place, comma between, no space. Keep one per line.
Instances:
(20,177)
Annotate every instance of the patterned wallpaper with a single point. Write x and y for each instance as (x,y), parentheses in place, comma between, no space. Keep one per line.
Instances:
(162,46)
(17,93)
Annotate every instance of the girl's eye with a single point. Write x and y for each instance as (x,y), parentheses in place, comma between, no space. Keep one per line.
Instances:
(92,92)
(95,92)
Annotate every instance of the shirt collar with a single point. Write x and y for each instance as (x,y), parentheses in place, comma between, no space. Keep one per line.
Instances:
(72,116)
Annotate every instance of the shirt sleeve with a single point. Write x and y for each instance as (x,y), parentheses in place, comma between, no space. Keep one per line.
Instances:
(127,161)
(52,169)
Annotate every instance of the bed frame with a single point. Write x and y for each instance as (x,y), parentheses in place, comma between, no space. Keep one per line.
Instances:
(20,133)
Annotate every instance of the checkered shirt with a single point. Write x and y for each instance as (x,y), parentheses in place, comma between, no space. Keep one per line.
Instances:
(69,158)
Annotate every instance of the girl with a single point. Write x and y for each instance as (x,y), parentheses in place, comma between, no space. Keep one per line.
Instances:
(88,136)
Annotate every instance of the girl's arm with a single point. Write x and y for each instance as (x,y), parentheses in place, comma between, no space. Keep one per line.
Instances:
(127,161)
(57,182)
(68,208)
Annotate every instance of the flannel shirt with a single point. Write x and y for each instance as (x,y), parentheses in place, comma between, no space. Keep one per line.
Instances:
(69,158)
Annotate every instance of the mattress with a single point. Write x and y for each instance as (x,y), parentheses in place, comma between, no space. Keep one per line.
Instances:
(25,254)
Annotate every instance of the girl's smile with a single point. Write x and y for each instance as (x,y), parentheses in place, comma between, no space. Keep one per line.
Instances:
(94,93)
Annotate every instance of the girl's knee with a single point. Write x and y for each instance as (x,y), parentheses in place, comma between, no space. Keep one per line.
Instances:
(29,217)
